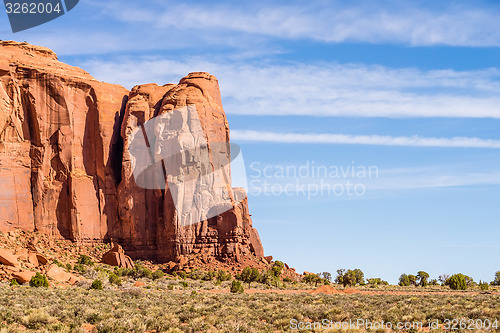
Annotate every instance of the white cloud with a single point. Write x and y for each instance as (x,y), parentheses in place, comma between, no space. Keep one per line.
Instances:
(323,89)
(308,179)
(408,141)
(117,26)
(330,22)
(431,177)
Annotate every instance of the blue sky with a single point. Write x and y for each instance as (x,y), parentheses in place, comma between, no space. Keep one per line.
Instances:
(412,88)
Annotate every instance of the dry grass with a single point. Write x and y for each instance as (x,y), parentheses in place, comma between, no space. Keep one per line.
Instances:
(157,308)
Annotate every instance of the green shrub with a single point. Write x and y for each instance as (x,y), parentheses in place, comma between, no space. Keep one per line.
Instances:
(484,285)
(102,270)
(496,281)
(195,274)
(138,272)
(350,277)
(433,282)
(377,281)
(55,261)
(114,279)
(422,278)
(360,276)
(85,260)
(39,280)
(68,267)
(182,275)
(14,283)
(311,278)
(158,274)
(80,268)
(194,293)
(249,275)
(268,278)
(236,287)
(170,287)
(277,268)
(443,279)
(326,275)
(122,271)
(209,276)
(413,279)
(184,284)
(97,284)
(287,279)
(457,282)
(222,275)
(470,281)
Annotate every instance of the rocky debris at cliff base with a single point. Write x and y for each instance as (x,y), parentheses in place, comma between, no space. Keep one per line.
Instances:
(26,263)
(207,263)
(8,259)
(59,274)
(23,276)
(116,257)
(54,252)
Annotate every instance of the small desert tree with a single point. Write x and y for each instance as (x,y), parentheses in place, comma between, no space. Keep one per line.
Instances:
(278,268)
(443,279)
(222,275)
(39,280)
(360,276)
(422,278)
(268,278)
(312,278)
(350,277)
(340,276)
(377,281)
(327,276)
(483,285)
(236,287)
(413,279)
(469,281)
(433,282)
(496,281)
(249,275)
(404,280)
(457,282)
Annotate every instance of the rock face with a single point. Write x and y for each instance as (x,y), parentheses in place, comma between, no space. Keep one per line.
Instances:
(66,170)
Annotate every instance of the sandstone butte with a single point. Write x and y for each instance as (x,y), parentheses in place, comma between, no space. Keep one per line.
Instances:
(64,166)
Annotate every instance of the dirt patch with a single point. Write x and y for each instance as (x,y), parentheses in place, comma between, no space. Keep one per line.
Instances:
(329,290)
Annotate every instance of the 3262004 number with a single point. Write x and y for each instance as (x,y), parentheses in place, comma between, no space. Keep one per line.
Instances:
(32,8)
(470,324)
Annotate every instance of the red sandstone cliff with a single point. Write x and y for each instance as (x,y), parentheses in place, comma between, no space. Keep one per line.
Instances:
(65,169)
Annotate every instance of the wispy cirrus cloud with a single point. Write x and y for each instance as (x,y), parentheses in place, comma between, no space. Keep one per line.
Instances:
(323,88)
(327,138)
(383,179)
(454,23)
(130,26)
